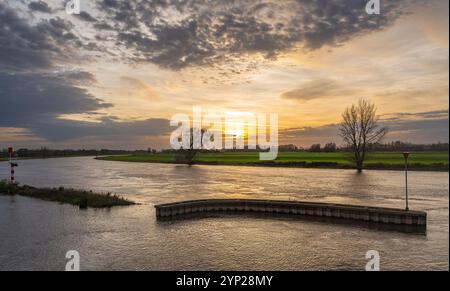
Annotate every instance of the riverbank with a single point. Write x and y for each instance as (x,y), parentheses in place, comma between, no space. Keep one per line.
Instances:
(83,199)
(424,161)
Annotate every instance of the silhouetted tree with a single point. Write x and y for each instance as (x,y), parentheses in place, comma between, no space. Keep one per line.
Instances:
(315,147)
(359,128)
(330,147)
(186,156)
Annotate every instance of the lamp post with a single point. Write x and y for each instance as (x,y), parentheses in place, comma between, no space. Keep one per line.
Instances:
(406,155)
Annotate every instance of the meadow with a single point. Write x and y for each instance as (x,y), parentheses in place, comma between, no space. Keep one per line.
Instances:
(379,160)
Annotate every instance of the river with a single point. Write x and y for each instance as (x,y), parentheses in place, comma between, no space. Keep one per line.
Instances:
(35,235)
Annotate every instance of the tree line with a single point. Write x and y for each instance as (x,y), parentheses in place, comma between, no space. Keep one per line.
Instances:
(51,153)
(394,146)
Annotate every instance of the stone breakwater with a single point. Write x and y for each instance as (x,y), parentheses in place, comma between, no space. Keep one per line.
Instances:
(294,208)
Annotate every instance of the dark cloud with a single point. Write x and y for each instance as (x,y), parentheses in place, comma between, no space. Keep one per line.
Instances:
(20,43)
(419,131)
(28,98)
(39,6)
(75,77)
(35,102)
(25,46)
(102,26)
(35,90)
(57,130)
(85,16)
(178,34)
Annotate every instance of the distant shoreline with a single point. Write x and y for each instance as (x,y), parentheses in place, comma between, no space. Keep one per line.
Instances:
(234,159)
(322,164)
(49,157)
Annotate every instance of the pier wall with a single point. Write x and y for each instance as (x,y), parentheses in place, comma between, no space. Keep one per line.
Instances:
(294,208)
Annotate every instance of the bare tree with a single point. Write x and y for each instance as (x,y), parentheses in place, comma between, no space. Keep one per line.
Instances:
(359,128)
(186,156)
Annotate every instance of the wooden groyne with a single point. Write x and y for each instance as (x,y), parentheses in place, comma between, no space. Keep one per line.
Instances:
(294,208)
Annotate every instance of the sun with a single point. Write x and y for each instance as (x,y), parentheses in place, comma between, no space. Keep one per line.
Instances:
(235,132)
(235,123)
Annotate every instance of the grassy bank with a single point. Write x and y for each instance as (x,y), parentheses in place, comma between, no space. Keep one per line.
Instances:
(433,161)
(80,198)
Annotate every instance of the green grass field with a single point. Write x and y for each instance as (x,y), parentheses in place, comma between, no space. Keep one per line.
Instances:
(423,160)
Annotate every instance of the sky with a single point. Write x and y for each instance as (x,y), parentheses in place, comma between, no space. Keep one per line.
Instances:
(114,75)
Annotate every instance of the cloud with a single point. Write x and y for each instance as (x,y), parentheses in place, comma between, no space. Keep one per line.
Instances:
(85,16)
(36,88)
(27,97)
(437,114)
(36,101)
(315,90)
(57,130)
(138,88)
(39,6)
(20,42)
(182,34)
(25,46)
(135,83)
(419,131)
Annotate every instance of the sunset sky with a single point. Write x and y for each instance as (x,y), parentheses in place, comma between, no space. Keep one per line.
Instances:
(112,76)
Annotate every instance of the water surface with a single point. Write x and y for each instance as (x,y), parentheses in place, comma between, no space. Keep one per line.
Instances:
(37,234)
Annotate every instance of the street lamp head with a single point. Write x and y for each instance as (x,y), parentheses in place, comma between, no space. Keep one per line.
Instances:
(406,155)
